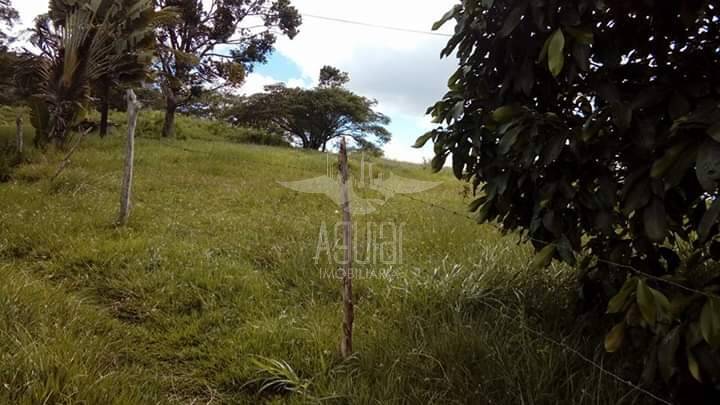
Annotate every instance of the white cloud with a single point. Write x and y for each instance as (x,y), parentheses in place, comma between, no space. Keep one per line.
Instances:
(29,9)
(255,83)
(401,70)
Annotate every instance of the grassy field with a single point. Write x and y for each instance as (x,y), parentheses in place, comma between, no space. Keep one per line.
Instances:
(213,291)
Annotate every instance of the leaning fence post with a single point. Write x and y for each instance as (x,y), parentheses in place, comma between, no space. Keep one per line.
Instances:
(348,315)
(19,140)
(133,108)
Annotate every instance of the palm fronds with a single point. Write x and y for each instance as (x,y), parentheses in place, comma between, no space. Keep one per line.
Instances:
(84,42)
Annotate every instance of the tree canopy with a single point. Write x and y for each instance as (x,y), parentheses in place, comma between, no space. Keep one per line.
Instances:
(314,117)
(216,44)
(81,43)
(593,128)
(331,76)
(8,16)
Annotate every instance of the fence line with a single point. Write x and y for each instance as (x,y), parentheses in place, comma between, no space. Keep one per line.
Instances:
(577,353)
(625,266)
(497,227)
(558,343)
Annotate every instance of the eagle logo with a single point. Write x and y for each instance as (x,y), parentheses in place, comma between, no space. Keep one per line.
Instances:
(385,188)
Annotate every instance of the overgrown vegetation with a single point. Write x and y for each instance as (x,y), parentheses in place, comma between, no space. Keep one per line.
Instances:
(83,44)
(212,291)
(149,126)
(593,127)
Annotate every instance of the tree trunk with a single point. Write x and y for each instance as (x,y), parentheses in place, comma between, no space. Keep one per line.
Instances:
(348,310)
(168,130)
(19,139)
(132,111)
(104,109)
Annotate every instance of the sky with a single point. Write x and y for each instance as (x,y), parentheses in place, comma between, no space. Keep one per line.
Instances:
(402,71)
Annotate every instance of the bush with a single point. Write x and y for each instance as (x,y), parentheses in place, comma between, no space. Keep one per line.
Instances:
(256,136)
(595,131)
(150,124)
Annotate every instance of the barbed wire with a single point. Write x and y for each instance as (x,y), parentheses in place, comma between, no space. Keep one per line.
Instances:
(563,346)
(577,353)
(497,227)
(546,243)
(378,26)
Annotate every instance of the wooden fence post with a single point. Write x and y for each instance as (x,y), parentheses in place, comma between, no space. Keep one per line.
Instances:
(19,140)
(348,311)
(133,107)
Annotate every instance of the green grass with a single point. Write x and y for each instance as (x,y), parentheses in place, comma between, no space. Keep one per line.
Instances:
(212,292)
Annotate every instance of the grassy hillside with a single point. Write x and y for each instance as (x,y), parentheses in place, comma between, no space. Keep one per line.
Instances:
(215,277)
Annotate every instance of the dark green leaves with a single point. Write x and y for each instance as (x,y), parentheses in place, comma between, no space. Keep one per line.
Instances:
(512,20)
(509,139)
(458,110)
(446,17)
(693,365)
(422,140)
(505,113)
(714,131)
(709,219)
(556,55)
(678,106)
(708,165)
(438,162)
(620,300)
(655,220)
(601,155)
(710,322)
(661,166)
(581,36)
(666,353)
(543,258)
(646,302)
(614,339)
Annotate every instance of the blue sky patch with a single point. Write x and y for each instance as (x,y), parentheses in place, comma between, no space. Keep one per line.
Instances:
(279,67)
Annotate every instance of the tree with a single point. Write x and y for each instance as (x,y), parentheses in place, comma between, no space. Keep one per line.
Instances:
(314,117)
(216,46)
(8,17)
(81,42)
(212,105)
(593,128)
(333,77)
(133,57)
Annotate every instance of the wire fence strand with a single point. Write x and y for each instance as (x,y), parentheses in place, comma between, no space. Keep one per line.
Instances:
(546,243)
(563,346)
(570,349)
(497,227)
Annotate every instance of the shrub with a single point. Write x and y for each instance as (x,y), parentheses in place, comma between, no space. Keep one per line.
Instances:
(593,128)
(150,124)
(256,136)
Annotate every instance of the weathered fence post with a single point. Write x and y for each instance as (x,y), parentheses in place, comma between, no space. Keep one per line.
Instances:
(19,140)
(133,108)
(348,315)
